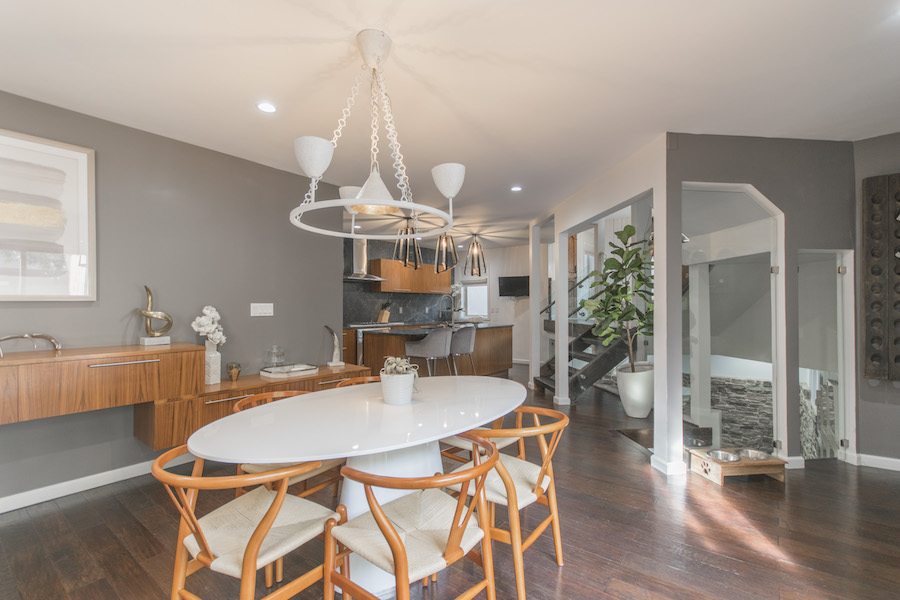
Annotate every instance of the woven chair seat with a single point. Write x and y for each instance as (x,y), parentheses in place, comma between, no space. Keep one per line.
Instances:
(422,520)
(327,465)
(228,529)
(524,476)
(458,442)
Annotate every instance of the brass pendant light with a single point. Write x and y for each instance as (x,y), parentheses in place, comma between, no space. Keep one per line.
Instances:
(475,265)
(445,256)
(406,248)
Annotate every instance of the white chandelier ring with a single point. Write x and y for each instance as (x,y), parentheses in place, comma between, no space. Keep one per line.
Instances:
(314,155)
(419,209)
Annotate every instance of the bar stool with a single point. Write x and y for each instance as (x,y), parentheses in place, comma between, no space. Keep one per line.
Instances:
(461,343)
(433,346)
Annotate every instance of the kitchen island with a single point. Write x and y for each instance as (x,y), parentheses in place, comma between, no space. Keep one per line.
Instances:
(492,355)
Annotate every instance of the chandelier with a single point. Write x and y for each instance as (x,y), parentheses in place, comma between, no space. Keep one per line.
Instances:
(314,155)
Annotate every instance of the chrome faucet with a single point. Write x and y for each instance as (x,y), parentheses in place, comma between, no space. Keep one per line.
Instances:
(441,307)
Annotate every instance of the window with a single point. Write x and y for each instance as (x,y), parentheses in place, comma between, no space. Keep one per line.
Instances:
(475,298)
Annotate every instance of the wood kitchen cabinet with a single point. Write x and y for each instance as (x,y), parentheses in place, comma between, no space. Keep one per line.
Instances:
(405,280)
(349,347)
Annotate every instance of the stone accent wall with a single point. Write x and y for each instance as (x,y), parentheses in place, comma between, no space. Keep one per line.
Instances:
(747,413)
(817,423)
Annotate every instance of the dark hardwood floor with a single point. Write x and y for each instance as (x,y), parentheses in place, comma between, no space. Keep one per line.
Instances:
(831,531)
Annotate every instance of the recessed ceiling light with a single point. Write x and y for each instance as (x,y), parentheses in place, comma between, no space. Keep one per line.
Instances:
(357,227)
(459,245)
(516,188)
(266,107)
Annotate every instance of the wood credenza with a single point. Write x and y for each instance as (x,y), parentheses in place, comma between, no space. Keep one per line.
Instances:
(35,385)
(164,383)
(168,422)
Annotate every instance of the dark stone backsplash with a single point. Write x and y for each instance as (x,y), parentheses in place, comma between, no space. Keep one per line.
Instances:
(361,304)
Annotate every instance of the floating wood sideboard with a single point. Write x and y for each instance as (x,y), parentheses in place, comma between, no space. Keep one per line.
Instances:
(164,383)
(168,422)
(49,383)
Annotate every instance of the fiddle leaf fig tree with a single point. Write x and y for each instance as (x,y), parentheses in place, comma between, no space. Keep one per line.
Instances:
(623,306)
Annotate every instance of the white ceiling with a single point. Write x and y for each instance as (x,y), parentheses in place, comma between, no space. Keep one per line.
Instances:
(543,95)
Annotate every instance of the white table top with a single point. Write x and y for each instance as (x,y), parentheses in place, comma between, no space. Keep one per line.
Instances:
(354,421)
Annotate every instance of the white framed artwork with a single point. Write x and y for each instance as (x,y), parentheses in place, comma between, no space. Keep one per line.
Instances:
(47,220)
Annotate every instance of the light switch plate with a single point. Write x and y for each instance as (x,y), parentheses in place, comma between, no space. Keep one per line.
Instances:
(262,309)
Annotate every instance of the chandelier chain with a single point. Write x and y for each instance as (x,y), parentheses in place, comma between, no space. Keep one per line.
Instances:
(375,122)
(310,196)
(345,114)
(402,178)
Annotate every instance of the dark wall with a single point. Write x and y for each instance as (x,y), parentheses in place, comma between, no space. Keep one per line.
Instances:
(361,304)
(878,401)
(198,227)
(812,182)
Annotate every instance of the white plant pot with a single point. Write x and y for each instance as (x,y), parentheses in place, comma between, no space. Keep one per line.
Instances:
(397,389)
(636,389)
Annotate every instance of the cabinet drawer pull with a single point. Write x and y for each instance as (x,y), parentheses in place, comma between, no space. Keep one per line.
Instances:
(227,399)
(130,362)
(333,381)
(402,290)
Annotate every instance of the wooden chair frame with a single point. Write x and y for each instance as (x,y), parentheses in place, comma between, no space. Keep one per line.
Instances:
(332,477)
(485,460)
(453,452)
(359,380)
(184,489)
(548,435)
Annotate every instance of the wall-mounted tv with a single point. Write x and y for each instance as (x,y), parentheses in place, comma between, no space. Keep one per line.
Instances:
(513,286)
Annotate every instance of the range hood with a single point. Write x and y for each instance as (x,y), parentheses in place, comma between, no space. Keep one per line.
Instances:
(361,263)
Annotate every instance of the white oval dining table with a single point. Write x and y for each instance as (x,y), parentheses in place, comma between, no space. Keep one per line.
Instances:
(354,422)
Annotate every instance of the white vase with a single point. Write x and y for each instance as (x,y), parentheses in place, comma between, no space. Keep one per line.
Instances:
(636,389)
(213,364)
(397,389)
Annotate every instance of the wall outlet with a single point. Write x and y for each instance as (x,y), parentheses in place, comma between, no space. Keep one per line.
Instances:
(262,309)
(400,308)
(427,309)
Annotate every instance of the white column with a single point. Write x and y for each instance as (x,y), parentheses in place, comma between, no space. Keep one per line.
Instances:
(562,320)
(534,366)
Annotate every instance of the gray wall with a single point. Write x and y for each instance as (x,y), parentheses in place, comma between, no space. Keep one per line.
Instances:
(199,228)
(878,401)
(812,182)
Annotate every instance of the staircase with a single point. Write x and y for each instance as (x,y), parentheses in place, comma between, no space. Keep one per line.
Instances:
(594,360)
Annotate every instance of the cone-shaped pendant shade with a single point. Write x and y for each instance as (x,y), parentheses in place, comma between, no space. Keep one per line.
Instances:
(445,257)
(374,189)
(407,250)
(475,265)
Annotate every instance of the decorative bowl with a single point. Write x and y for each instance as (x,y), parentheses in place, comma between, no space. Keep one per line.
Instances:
(723,456)
(752,454)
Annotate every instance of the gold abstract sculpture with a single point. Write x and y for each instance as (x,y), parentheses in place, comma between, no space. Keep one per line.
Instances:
(149,313)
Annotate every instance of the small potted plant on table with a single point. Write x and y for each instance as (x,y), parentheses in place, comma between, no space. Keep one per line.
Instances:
(398,378)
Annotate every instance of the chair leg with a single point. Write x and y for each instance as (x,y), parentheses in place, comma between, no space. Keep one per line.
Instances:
(554,513)
(515,540)
(268,572)
(472,360)
(428,365)
(455,368)
(485,516)
(181,563)
(449,370)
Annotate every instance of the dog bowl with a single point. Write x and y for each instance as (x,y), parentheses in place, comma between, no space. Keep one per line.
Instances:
(695,442)
(752,454)
(722,456)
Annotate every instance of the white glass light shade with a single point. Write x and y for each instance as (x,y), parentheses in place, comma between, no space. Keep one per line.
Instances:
(349,192)
(313,155)
(374,189)
(448,178)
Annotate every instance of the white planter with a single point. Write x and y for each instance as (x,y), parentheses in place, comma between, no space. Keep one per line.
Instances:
(397,389)
(213,364)
(636,389)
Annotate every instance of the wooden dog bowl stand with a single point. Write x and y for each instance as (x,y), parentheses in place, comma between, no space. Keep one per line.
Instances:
(716,471)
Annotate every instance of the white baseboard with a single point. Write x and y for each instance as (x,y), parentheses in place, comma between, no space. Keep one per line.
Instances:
(795,462)
(65,488)
(672,468)
(879,462)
